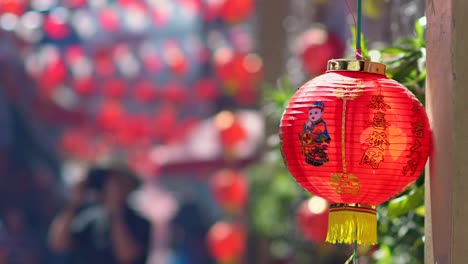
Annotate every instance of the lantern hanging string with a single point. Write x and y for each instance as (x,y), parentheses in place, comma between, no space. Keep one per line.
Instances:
(355,253)
(354,256)
(357,26)
(357,29)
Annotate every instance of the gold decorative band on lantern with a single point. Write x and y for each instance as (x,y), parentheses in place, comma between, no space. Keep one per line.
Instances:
(348,223)
(356,66)
(354,207)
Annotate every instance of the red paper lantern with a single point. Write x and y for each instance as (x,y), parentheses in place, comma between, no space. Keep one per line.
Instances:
(229,188)
(312,219)
(226,242)
(356,138)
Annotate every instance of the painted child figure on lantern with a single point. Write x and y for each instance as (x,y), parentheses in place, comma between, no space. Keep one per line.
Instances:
(315,136)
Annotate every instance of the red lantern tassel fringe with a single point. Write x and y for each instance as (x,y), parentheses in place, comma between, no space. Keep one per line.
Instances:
(350,223)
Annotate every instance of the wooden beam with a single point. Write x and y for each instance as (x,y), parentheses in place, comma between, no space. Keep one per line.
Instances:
(447,184)
(272,37)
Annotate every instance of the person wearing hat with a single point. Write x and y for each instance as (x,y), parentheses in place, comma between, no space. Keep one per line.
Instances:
(107,229)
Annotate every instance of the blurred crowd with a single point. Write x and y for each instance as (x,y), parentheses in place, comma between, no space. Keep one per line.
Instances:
(100,219)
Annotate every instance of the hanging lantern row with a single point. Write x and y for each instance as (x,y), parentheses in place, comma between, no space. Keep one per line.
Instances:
(120,86)
(357,139)
(59,22)
(238,74)
(119,128)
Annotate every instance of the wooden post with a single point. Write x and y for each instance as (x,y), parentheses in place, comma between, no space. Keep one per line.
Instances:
(447,96)
(272,37)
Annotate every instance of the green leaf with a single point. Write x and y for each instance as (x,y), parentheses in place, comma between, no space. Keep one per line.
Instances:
(394,50)
(406,203)
(421,210)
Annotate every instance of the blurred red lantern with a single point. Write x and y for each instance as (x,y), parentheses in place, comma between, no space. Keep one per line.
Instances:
(160,15)
(110,114)
(312,219)
(207,90)
(17,7)
(211,9)
(150,58)
(226,242)
(235,11)
(247,67)
(54,74)
(145,92)
(237,71)
(223,58)
(229,188)
(55,27)
(357,139)
(247,95)
(114,88)
(316,46)
(133,130)
(84,85)
(175,58)
(109,19)
(77,143)
(166,119)
(103,62)
(74,53)
(174,92)
(231,131)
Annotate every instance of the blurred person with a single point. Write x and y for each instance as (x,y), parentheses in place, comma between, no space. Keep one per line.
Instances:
(17,244)
(105,230)
(190,227)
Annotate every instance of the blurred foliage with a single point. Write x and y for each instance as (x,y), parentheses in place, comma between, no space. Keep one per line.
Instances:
(275,194)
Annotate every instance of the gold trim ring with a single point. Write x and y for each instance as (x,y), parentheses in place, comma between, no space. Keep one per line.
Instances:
(353,207)
(356,66)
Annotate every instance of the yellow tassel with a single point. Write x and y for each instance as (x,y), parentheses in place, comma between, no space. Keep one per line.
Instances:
(346,225)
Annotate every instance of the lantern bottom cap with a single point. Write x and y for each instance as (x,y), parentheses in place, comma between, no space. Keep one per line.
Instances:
(349,224)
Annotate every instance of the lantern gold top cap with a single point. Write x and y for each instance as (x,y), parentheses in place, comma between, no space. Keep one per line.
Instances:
(356,66)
